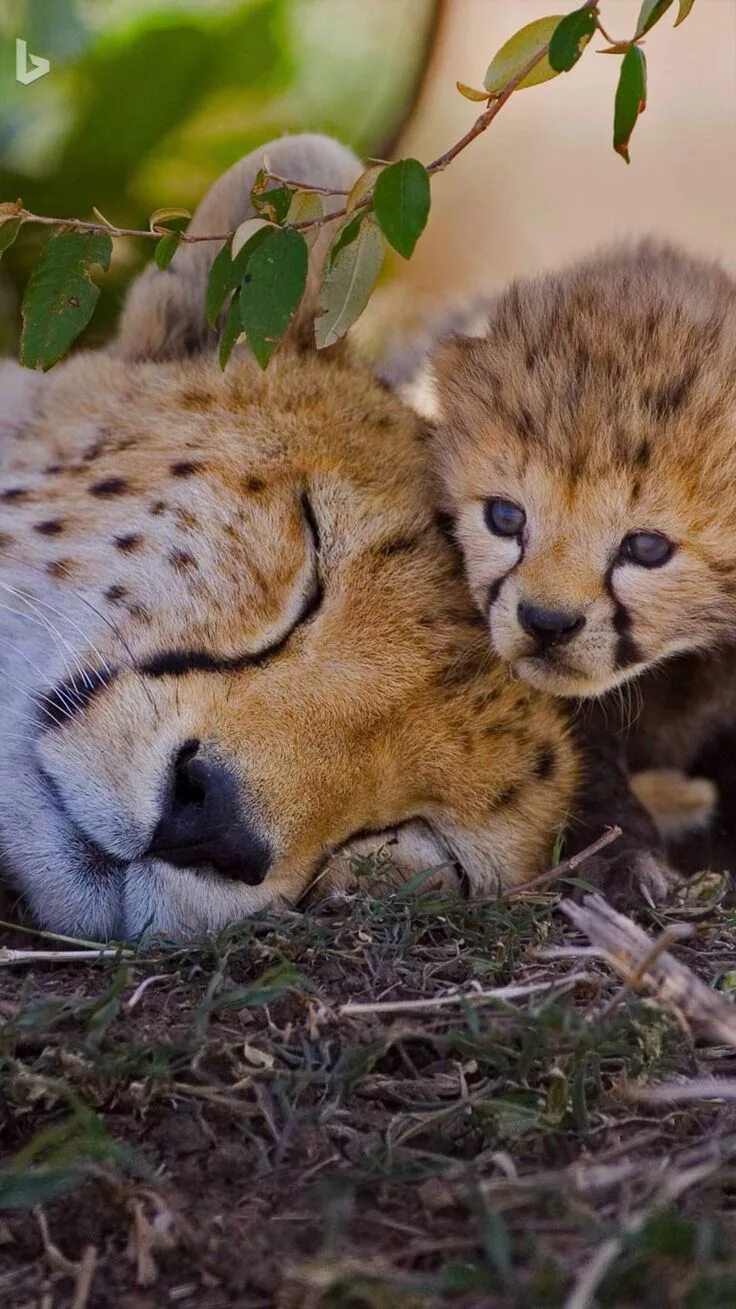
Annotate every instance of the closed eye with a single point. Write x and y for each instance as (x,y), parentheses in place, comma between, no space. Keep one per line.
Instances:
(174,663)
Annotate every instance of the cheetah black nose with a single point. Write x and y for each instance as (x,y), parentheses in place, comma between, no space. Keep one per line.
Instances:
(203,821)
(549,627)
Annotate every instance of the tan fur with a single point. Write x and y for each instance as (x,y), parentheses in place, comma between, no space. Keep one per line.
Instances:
(678,804)
(176,499)
(603,402)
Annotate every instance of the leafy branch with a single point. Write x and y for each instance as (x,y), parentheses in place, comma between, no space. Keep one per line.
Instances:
(259,275)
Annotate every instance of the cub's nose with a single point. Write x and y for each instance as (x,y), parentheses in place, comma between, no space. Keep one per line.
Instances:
(549,626)
(203,821)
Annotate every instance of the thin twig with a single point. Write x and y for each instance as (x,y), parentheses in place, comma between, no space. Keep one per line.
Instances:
(81,225)
(9,957)
(304,186)
(143,986)
(437,166)
(482,123)
(560,870)
(52,936)
(695,1088)
(512,992)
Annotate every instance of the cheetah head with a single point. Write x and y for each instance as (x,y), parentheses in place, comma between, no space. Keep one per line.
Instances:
(586,446)
(234,643)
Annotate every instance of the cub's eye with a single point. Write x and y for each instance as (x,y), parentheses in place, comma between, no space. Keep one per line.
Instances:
(649,549)
(503,517)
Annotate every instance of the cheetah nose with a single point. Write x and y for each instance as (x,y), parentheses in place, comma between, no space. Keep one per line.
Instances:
(549,627)
(203,821)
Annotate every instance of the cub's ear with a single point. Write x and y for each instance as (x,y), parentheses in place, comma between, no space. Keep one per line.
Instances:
(20,390)
(164,315)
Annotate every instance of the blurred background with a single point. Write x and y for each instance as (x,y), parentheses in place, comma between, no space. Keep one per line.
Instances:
(148,100)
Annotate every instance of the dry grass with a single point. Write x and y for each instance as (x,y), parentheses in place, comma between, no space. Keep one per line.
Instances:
(402,1100)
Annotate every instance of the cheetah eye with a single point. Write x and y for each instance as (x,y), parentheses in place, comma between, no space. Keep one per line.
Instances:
(649,549)
(503,517)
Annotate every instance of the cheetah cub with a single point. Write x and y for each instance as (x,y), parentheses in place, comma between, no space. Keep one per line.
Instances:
(585,446)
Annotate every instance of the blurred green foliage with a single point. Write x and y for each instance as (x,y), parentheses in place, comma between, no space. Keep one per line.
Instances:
(148,101)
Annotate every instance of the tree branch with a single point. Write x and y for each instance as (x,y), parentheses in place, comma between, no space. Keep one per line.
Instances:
(481,124)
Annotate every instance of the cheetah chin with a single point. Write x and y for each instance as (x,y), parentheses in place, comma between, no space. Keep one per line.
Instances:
(235,645)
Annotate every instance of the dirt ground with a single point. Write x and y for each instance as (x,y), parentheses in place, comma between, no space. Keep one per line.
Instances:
(218,1125)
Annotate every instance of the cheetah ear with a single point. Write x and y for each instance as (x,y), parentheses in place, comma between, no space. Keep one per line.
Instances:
(19,395)
(164,315)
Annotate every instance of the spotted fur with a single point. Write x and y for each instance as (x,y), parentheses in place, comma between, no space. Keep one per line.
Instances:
(247,566)
(602,402)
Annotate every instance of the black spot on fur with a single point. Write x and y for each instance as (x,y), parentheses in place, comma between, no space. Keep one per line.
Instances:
(525,425)
(399,545)
(664,401)
(158,507)
(116,592)
(643,455)
(14,495)
(253,485)
(51,527)
(508,795)
(60,568)
(110,486)
(129,543)
(52,469)
(185,468)
(546,760)
(182,561)
(445,524)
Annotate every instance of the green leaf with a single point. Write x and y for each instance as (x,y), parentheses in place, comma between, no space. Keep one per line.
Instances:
(304,206)
(232,329)
(241,243)
(228,270)
(401,202)
(274,284)
(219,283)
(345,236)
(9,229)
(570,38)
(684,10)
(166,248)
(348,282)
(363,186)
(60,296)
(273,204)
(650,13)
(631,98)
(518,51)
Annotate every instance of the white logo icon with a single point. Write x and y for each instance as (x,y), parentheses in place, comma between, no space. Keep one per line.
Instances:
(28,68)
